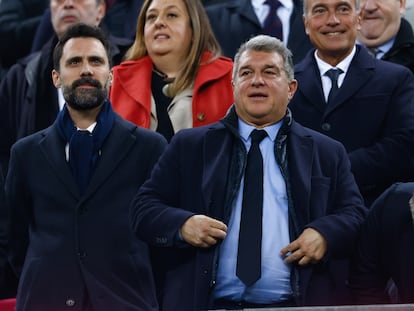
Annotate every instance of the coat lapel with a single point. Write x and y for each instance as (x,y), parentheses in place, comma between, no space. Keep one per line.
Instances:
(300,150)
(217,149)
(116,146)
(359,73)
(310,83)
(244,8)
(53,148)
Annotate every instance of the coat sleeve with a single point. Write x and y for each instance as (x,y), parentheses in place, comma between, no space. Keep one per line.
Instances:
(368,278)
(18,202)
(156,216)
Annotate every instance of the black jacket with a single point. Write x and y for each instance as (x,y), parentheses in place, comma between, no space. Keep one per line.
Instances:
(402,51)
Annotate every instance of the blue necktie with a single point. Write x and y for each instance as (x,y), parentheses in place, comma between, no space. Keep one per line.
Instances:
(80,157)
(333,74)
(249,256)
(272,24)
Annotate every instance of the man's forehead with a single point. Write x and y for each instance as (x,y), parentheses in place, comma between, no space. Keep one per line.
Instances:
(84,45)
(260,57)
(315,3)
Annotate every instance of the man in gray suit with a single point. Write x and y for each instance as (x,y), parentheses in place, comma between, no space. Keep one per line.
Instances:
(70,238)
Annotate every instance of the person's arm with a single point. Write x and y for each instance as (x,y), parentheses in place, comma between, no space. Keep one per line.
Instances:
(18,203)
(157,214)
(337,218)
(367,278)
(390,157)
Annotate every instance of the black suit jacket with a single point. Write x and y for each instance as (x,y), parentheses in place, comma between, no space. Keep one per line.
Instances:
(234,22)
(63,244)
(372,115)
(402,51)
(385,249)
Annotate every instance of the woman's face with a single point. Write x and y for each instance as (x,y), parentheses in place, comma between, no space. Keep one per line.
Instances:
(167,29)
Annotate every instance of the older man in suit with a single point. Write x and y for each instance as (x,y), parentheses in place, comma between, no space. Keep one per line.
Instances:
(368,106)
(236,21)
(196,205)
(70,238)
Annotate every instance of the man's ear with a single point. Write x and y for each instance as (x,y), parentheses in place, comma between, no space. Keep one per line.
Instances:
(111,76)
(56,79)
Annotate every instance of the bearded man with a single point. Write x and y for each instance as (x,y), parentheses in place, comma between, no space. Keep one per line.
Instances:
(68,191)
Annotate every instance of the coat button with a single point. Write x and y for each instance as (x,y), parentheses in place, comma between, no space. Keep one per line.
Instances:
(201,116)
(326,127)
(70,302)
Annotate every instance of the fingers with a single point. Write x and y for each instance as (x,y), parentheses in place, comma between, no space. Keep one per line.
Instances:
(308,248)
(203,231)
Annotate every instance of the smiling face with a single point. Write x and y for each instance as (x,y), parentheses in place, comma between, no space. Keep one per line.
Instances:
(261,88)
(84,74)
(380,21)
(167,29)
(332,27)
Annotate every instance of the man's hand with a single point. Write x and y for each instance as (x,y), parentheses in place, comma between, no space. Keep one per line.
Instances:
(309,247)
(203,231)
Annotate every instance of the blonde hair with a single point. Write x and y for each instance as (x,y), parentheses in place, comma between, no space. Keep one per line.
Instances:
(203,39)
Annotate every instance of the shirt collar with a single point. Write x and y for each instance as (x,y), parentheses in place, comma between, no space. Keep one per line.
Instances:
(257,4)
(344,64)
(245,129)
(384,48)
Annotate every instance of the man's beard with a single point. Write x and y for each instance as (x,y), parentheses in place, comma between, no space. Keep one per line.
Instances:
(85,98)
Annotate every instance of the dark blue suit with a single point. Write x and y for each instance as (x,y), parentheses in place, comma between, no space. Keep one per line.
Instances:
(385,249)
(234,22)
(200,173)
(64,244)
(372,115)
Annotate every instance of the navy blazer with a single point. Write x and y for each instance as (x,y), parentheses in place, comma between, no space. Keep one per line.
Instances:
(385,249)
(64,244)
(234,22)
(372,115)
(193,177)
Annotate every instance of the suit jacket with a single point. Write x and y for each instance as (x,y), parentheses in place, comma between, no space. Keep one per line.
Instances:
(234,22)
(385,249)
(200,173)
(372,115)
(402,51)
(63,244)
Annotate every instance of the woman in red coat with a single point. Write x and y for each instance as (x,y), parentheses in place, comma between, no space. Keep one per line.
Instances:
(174,76)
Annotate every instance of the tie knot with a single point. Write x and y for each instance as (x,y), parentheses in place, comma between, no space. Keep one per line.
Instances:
(273,4)
(84,132)
(373,51)
(258,135)
(334,73)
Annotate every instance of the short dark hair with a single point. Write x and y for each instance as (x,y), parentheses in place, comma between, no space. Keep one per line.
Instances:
(80,31)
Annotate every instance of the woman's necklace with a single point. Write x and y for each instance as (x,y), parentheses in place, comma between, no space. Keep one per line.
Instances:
(162,75)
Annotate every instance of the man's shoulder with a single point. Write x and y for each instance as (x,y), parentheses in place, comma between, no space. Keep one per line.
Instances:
(138,132)
(33,138)
(319,139)
(224,7)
